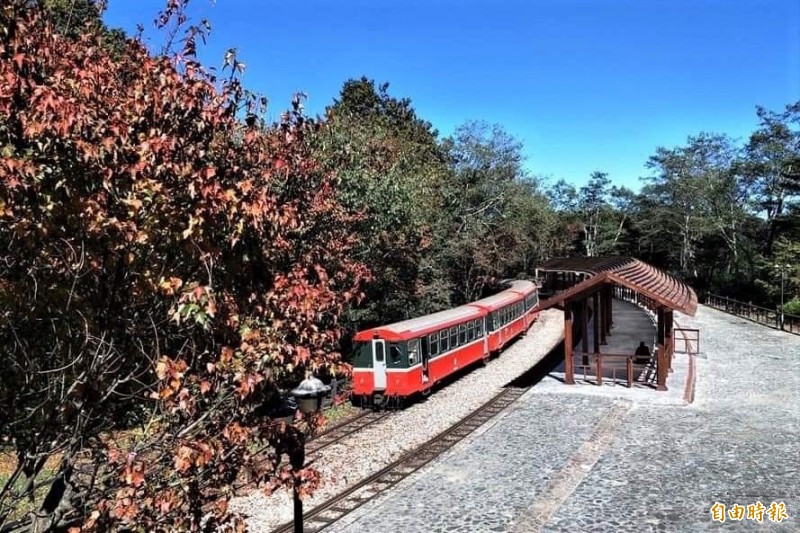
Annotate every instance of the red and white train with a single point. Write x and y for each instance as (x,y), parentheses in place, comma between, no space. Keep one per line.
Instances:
(397,361)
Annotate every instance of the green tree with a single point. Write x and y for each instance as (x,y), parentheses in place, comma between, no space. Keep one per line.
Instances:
(389,166)
(74,17)
(592,205)
(494,222)
(773,164)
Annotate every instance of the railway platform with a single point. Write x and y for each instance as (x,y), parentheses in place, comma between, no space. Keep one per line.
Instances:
(560,459)
(632,325)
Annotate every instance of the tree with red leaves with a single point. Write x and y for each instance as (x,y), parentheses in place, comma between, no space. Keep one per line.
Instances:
(168,264)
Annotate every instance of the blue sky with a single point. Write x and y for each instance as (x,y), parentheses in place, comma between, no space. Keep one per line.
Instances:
(584,84)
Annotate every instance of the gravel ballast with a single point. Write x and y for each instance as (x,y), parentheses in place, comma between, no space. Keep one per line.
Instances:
(345,463)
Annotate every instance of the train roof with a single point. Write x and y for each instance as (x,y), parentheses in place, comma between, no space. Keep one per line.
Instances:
(512,294)
(416,327)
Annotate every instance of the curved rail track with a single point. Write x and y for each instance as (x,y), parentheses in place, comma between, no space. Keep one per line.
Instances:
(354,497)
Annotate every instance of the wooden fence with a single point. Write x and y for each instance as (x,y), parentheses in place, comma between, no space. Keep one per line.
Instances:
(762,315)
(618,368)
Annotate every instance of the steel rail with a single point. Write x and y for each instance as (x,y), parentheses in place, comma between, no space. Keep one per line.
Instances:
(344,429)
(354,497)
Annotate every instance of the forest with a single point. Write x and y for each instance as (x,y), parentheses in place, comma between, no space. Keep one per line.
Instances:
(170,261)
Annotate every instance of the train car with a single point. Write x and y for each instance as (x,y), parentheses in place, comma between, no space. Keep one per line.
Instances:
(509,313)
(400,360)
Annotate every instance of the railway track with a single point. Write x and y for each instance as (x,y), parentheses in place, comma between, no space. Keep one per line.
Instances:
(339,431)
(346,502)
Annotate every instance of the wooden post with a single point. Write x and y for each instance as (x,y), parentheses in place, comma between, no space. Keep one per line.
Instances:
(610,315)
(661,360)
(569,370)
(596,326)
(669,340)
(599,367)
(629,369)
(600,323)
(585,330)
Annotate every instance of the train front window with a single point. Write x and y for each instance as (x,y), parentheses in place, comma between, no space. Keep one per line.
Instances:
(361,354)
(395,354)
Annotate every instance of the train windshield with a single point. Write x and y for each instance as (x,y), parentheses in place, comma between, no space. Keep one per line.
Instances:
(360,353)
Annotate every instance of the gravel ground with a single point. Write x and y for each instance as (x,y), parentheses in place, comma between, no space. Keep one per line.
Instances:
(346,463)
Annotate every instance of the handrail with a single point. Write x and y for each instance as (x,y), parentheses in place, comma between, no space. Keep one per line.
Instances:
(765,316)
(630,365)
(686,340)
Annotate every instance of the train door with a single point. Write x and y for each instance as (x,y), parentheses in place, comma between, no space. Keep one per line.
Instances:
(379,363)
(484,329)
(426,356)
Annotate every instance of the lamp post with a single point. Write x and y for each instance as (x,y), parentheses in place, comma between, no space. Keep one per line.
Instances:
(309,399)
(782,269)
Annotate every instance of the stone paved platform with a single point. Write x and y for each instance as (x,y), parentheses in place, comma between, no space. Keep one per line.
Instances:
(562,461)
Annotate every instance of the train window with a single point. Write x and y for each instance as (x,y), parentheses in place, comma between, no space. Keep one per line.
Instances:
(434,340)
(425,348)
(394,353)
(471,331)
(378,351)
(413,351)
(443,338)
(462,334)
(453,337)
(479,328)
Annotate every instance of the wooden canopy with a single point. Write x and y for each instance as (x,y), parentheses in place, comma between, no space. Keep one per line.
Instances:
(662,288)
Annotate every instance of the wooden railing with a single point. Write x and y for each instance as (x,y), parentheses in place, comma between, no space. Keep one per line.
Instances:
(761,315)
(688,339)
(629,295)
(595,366)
